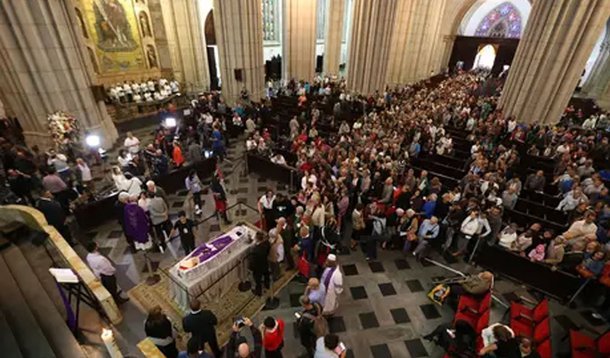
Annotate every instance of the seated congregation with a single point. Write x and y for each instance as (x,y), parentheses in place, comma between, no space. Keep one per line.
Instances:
(436,166)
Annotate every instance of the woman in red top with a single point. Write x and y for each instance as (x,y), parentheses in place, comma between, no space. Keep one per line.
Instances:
(177,155)
(273,337)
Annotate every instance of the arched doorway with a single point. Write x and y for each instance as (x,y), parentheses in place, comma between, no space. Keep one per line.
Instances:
(485,58)
(212,51)
(499,23)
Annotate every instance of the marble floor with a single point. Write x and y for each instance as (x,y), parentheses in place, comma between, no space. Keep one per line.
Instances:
(384,309)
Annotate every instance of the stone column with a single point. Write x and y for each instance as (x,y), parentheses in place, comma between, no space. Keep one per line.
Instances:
(299,26)
(44,68)
(603,99)
(239,34)
(600,72)
(186,43)
(160,34)
(369,48)
(552,53)
(417,45)
(333,36)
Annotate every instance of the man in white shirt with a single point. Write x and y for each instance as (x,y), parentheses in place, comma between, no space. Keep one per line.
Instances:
(175,86)
(132,144)
(265,208)
(103,269)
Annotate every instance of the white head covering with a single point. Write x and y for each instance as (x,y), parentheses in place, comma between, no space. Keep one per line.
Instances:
(331,257)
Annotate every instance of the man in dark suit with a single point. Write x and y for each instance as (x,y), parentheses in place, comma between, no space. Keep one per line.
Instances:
(54,214)
(201,324)
(259,263)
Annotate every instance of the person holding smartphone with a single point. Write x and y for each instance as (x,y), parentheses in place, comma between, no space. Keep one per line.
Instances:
(329,346)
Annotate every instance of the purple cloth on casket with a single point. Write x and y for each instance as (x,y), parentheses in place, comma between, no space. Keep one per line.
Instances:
(203,253)
(136,223)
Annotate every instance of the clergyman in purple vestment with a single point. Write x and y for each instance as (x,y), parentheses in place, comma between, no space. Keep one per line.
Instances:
(137,224)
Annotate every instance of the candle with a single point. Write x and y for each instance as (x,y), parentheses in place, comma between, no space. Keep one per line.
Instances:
(111,344)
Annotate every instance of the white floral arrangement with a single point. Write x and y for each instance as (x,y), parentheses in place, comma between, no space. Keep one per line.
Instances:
(61,123)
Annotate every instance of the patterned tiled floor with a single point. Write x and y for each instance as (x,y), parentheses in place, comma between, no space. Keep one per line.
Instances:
(384,310)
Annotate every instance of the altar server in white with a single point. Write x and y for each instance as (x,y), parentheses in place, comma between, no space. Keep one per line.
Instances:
(332,278)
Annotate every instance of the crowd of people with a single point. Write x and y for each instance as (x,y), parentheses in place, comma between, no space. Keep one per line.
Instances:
(359,181)
(145,91)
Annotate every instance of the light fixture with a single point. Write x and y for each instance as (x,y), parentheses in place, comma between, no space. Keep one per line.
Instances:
(93,140)
(170,122)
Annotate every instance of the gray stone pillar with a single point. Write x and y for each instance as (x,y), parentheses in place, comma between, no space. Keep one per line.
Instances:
(369,48)
(417,45)
(186,43)
(600,72)
(299,52)
(44,68)
(333,36)
(556,44)
(239,31)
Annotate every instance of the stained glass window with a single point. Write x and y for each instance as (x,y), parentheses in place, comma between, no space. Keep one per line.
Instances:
(503,21)
(271,20)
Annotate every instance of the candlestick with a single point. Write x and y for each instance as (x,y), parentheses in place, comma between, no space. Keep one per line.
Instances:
(110,343)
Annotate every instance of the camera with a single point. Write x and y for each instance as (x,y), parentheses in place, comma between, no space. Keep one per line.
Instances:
(240,321)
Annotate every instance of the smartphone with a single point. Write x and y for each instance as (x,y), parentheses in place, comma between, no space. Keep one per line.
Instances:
(297,315)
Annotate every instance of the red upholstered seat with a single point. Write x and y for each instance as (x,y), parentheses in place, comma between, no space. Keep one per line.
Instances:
(482,322)
(542,330)
(545,349)
(537,333)
(522,329)
(603,344)
(536,314)
(473,304)
(469,318)
(581,345)
(479,344)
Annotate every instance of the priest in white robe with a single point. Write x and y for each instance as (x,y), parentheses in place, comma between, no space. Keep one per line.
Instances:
(332,278)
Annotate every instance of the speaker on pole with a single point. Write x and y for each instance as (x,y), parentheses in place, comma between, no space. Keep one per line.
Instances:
(238,73)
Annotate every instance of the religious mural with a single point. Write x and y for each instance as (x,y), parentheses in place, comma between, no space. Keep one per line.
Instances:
(113,27)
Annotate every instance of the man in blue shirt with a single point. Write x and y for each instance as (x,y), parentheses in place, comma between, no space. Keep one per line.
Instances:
(429,206)
(428,231)
(217,144)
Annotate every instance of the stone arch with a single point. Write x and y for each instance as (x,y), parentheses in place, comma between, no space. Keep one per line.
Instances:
(208,28)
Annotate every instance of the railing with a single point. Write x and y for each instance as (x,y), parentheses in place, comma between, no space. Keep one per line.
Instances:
(63,255)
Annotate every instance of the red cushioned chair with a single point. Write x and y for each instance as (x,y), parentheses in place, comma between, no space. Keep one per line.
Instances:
(482,322)
(473,305)
(544,349)
(537,333)
(521,312)
(583,346)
